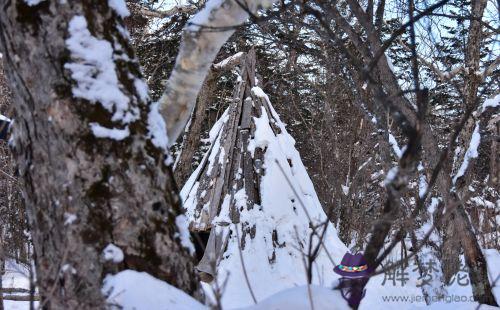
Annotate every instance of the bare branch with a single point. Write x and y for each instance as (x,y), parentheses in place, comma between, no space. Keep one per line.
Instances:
(147,12)
(492,67)
(243,265)
(443,76)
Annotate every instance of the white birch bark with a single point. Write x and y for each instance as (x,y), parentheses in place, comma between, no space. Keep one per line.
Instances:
(202,39)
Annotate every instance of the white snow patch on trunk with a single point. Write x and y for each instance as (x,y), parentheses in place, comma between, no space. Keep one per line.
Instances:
(391,174)
(142,89)
(493,102)
(120,7)
(471,153)
(94,72)
(157,128)
(4,118)
(395,146)
(422,181)
(183,226)
(112,133)
(113,253)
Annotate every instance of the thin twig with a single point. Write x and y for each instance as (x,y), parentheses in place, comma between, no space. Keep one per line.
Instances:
(309,295)
(243,265)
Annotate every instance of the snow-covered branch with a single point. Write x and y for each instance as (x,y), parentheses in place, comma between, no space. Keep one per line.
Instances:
(229,62)
(204,35)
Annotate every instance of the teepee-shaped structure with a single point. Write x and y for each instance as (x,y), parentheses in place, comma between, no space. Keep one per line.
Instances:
(252,192)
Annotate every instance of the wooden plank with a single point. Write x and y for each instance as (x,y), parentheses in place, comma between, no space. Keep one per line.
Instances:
(250,64)
(213,184)
(11,290)
(222,177)
(20,297)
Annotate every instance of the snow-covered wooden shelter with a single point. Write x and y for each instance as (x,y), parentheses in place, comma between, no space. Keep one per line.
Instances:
(253,194)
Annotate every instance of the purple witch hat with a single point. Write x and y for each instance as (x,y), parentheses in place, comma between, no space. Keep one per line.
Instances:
(353,266)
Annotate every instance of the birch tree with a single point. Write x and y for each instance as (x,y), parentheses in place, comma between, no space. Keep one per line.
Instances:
(91,152)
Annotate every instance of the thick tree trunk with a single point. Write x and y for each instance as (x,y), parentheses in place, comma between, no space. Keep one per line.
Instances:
(99,195)
(461,227)
(474,258)
(2,271)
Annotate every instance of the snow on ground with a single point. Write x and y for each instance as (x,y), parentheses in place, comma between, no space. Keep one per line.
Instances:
(16,276)
(493,264)
(301,297)
(139,290)
(16,305)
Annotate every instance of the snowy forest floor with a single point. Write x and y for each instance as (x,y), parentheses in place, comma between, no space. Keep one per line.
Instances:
(393,290)
(16,276)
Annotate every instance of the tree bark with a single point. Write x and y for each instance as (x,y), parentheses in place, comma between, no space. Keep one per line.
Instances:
(184,166)
(461,227)
(2,271)
(474,258)
(87,189)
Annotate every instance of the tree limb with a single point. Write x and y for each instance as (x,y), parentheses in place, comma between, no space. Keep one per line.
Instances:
(147,12)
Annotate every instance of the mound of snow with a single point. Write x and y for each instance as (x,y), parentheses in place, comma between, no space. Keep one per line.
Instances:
(301,297)
(139,290)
